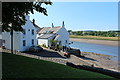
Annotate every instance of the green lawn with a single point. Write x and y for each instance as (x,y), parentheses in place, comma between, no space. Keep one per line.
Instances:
(16,66)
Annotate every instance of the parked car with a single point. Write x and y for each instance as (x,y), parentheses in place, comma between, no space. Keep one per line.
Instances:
(35,49)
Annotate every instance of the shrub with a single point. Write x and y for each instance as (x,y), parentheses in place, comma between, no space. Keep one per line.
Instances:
(43,45)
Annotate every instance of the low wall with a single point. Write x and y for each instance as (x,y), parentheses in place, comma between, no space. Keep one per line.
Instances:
(75,52)
(95,69)
(56,60)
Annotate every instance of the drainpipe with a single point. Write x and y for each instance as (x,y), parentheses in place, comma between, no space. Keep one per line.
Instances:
(11,33)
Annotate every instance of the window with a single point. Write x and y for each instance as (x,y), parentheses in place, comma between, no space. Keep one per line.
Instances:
(24,43)
(32,31)
(59,42)
(66,41)
(28,29)
(3,41)
(24,32)
(32,41)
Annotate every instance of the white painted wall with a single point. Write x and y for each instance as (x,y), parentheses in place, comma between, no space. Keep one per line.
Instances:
(16,41)
(64,35)
(28,36)
(43,41)
(18,37)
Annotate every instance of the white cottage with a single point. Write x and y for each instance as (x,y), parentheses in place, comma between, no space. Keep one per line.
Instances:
(21,40)
(59,33)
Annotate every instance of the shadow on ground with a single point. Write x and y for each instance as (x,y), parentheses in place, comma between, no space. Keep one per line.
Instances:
(46,53)
(86,58)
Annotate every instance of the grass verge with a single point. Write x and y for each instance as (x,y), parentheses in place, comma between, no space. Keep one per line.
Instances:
(16,66)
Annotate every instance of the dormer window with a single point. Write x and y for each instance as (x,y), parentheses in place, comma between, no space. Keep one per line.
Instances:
(32,31)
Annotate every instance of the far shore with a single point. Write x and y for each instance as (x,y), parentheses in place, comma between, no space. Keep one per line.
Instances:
(103,42)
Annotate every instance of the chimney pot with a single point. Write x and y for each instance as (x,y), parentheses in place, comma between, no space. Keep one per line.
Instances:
(33,21)
(63,25)
(52,25)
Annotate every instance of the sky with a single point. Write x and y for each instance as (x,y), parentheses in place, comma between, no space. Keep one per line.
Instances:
(77,16)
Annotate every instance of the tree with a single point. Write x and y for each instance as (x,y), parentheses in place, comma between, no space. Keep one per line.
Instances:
(53,42)
(70,32)
(79,33)
(14,13)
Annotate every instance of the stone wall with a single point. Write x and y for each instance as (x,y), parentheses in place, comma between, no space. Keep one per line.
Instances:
(75,52)
(95,69)
(56,60)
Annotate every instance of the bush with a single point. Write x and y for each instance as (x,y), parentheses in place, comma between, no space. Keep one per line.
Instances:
(43,45)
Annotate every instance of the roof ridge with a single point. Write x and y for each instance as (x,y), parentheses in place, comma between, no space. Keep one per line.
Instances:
(46,29)
(34,24)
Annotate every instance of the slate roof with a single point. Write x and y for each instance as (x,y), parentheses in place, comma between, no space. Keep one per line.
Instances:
(45,36)
(36,25)
(57,36)
(39,30)
(49,29)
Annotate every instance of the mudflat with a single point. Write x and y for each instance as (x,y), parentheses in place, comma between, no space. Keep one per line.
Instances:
(104,42)
(102,61)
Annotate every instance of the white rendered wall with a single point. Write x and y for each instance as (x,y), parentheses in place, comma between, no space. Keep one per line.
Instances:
(28,36)
(43,41)
(16,40)
(64,35)
(46,42)
(18,37)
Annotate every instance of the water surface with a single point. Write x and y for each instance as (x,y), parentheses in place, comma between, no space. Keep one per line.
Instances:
(96,48)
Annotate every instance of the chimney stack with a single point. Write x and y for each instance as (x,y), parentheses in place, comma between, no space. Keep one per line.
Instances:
(52,25)
(63,25)
(34,21)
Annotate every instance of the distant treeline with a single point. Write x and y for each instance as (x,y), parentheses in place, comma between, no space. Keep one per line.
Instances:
(95,33)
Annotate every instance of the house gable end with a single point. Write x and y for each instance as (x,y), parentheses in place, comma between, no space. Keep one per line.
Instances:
(28,25)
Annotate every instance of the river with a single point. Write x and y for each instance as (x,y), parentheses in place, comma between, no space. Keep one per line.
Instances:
(96,48)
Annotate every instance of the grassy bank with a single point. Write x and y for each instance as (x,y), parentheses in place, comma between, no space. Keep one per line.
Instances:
(15,66)
(96,37)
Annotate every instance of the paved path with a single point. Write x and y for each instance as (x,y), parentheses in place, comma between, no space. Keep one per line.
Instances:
(53,56)
(73,59)
(52,59)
